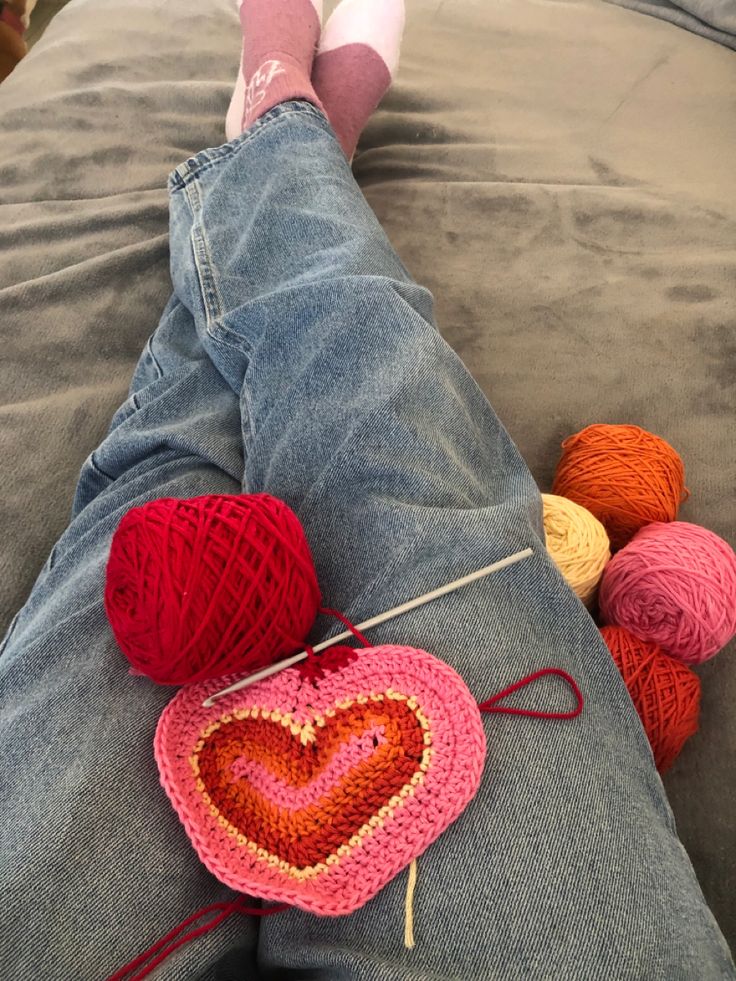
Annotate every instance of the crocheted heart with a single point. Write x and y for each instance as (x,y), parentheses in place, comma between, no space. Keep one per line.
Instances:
(317,788)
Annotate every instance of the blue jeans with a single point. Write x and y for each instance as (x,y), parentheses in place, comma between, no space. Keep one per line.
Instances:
(297,357)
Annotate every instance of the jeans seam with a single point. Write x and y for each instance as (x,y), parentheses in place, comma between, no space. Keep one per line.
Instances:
(154,359)
(240,344)
(95,466)
(202,258)
(9,632)
(211,299)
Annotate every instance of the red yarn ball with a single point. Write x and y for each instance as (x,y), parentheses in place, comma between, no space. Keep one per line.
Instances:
(203,587)
(665,692)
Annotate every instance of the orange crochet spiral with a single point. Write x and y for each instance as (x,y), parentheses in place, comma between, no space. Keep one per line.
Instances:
(624,475)
(665,693)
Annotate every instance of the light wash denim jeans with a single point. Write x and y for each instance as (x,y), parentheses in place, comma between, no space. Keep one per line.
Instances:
(297,357)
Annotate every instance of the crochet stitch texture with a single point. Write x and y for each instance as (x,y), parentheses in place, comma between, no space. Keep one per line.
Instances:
(316,787)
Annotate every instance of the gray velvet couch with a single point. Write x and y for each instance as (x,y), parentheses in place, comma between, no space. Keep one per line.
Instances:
(561,175)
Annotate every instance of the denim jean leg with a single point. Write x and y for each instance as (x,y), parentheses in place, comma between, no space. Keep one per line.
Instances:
(354,410)
(298,357)
(95,866)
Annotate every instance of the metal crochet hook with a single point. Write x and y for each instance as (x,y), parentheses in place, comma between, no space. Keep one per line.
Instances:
(449,587)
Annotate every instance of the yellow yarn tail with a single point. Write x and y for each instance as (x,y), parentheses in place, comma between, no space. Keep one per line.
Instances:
(409,907)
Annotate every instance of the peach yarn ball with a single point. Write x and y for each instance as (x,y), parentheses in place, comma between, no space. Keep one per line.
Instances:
(577,543)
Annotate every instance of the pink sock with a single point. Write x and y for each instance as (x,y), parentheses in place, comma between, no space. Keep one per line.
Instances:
(279,41)
(356,62)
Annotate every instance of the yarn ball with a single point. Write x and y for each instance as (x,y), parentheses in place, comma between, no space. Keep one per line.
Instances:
(665,693)
(577,543)
(675,585)
(623,475)
(202,587)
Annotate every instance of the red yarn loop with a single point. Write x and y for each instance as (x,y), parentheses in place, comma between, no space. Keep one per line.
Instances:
(206,586)
(491,704)
(318,664)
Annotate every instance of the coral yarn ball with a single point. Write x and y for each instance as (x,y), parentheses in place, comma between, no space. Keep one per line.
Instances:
(577,543)
(202,587)
(674,585)
(665,693)
(623,475)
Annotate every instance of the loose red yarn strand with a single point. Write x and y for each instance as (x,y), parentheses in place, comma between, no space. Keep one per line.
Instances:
(142,958)
(490,705)
(225,910)
(167,951)
(328,612)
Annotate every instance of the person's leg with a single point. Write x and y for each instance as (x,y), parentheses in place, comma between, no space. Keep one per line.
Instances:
(279,41)
(95,866)
(356,413)
(82,801)
(357,59)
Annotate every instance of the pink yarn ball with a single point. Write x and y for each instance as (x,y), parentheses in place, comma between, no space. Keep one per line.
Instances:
(674,584)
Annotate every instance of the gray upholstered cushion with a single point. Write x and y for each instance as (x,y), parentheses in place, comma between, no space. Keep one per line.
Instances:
(714,19)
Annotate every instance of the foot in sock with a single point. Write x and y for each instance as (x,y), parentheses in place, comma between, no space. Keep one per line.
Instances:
(279,43)
(356,62)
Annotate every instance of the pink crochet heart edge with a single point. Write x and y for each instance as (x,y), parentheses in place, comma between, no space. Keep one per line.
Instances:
(451,780)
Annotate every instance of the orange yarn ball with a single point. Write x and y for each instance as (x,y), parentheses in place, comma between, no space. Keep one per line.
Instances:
(623,475)
(665,693)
